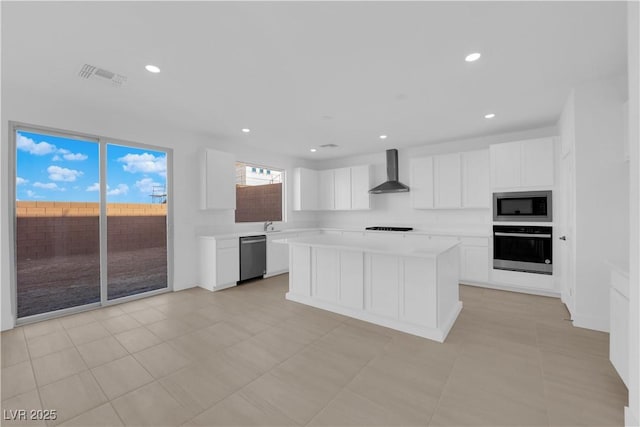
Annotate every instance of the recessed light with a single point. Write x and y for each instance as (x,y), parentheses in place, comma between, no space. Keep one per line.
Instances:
(152,68)
(313,150)
(383,136)
(245,130)
(472,57)
(489,116)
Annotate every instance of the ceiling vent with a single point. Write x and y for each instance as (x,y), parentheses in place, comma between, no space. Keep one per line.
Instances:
(90,72)
(329,146)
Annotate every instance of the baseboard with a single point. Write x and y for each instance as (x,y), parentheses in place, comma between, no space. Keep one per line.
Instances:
(522,290)
(591,322)
(630,419)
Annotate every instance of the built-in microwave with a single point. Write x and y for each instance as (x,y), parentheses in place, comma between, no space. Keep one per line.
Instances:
(522,206)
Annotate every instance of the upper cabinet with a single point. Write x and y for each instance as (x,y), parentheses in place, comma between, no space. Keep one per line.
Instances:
(421,181)
(218,177)
(332,189)
(360,185)
(447,181)
(326,190)
(305,189)
(476,192)
(342,189)
(522,164)
(451,181)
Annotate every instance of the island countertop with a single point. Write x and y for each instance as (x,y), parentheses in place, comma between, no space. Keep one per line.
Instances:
(364,244)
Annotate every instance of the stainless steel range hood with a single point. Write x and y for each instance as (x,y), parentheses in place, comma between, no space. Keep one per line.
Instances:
(391,185)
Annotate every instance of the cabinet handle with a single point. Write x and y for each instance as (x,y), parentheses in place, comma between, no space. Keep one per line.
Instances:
(562,237)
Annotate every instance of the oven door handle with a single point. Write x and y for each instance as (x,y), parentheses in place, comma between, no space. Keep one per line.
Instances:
(542,236)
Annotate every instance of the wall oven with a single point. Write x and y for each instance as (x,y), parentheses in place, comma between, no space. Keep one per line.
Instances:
(522,248)
(522,206)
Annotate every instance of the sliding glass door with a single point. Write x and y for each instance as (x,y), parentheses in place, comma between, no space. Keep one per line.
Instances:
(136,220)
(75,246)
(57,225)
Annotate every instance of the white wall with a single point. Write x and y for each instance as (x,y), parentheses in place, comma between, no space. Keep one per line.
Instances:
(395,208)
(601,203)
(188,220)
(632,413)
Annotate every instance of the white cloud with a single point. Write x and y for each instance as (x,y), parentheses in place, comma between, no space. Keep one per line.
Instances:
(63,151)
(33,195)
(145,185)
(145,163)
(94,187)
(56,173)
(56,158)
(121,189)
(20,181)
(75,156)
(48,185)
(32,147)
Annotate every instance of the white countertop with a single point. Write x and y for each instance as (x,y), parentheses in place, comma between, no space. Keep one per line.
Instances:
(476,232)
(421,249)
(256,233)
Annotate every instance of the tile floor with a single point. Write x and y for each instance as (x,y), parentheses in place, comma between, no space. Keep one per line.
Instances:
(246,356)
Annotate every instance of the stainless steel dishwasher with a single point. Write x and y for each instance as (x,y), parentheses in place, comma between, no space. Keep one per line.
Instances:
(253,256)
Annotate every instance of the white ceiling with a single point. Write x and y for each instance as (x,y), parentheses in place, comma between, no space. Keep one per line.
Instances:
(302,74)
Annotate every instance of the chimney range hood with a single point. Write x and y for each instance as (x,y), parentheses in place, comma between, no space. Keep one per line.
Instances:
(391,185)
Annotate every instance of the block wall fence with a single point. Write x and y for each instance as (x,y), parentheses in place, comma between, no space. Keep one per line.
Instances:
(47,229)
(257,202)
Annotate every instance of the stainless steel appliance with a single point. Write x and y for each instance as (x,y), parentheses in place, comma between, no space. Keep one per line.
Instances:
(253,257)
(380,228)
(522,248)
(391,185)
(522,206)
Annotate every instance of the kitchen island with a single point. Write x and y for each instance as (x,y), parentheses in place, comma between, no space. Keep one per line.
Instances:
(409,287)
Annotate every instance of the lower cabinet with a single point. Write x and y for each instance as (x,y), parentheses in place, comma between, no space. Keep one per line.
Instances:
(474,259)
(384,284)
(219,265)
(277,254)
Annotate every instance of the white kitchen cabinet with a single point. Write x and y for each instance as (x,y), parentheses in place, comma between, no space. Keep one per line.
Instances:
(218,180)
(447,181)
(326,274)
(360,186)
(383,290)
(474,259)
(326,190)
(305,189)
(300,276)
(421,182)
(522,164)
(277,254)
(342,189)
(332,189)
(476,188)
(505,165)
(537,163)
(351,276)
(219,262)
(417,292)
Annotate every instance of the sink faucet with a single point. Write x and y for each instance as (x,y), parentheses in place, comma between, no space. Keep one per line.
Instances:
(267,224)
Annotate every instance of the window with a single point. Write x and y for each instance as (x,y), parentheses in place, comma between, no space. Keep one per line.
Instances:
(75,246)
(259,194)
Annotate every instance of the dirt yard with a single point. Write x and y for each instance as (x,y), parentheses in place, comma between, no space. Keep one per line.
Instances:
(66,281)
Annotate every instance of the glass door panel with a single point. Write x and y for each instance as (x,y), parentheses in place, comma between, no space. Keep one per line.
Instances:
(136,220)
(57,222)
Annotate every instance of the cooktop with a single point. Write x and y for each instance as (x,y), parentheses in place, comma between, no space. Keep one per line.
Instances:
(378,228)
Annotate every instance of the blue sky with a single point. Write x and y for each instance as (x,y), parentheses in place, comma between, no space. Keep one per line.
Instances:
(53,168)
